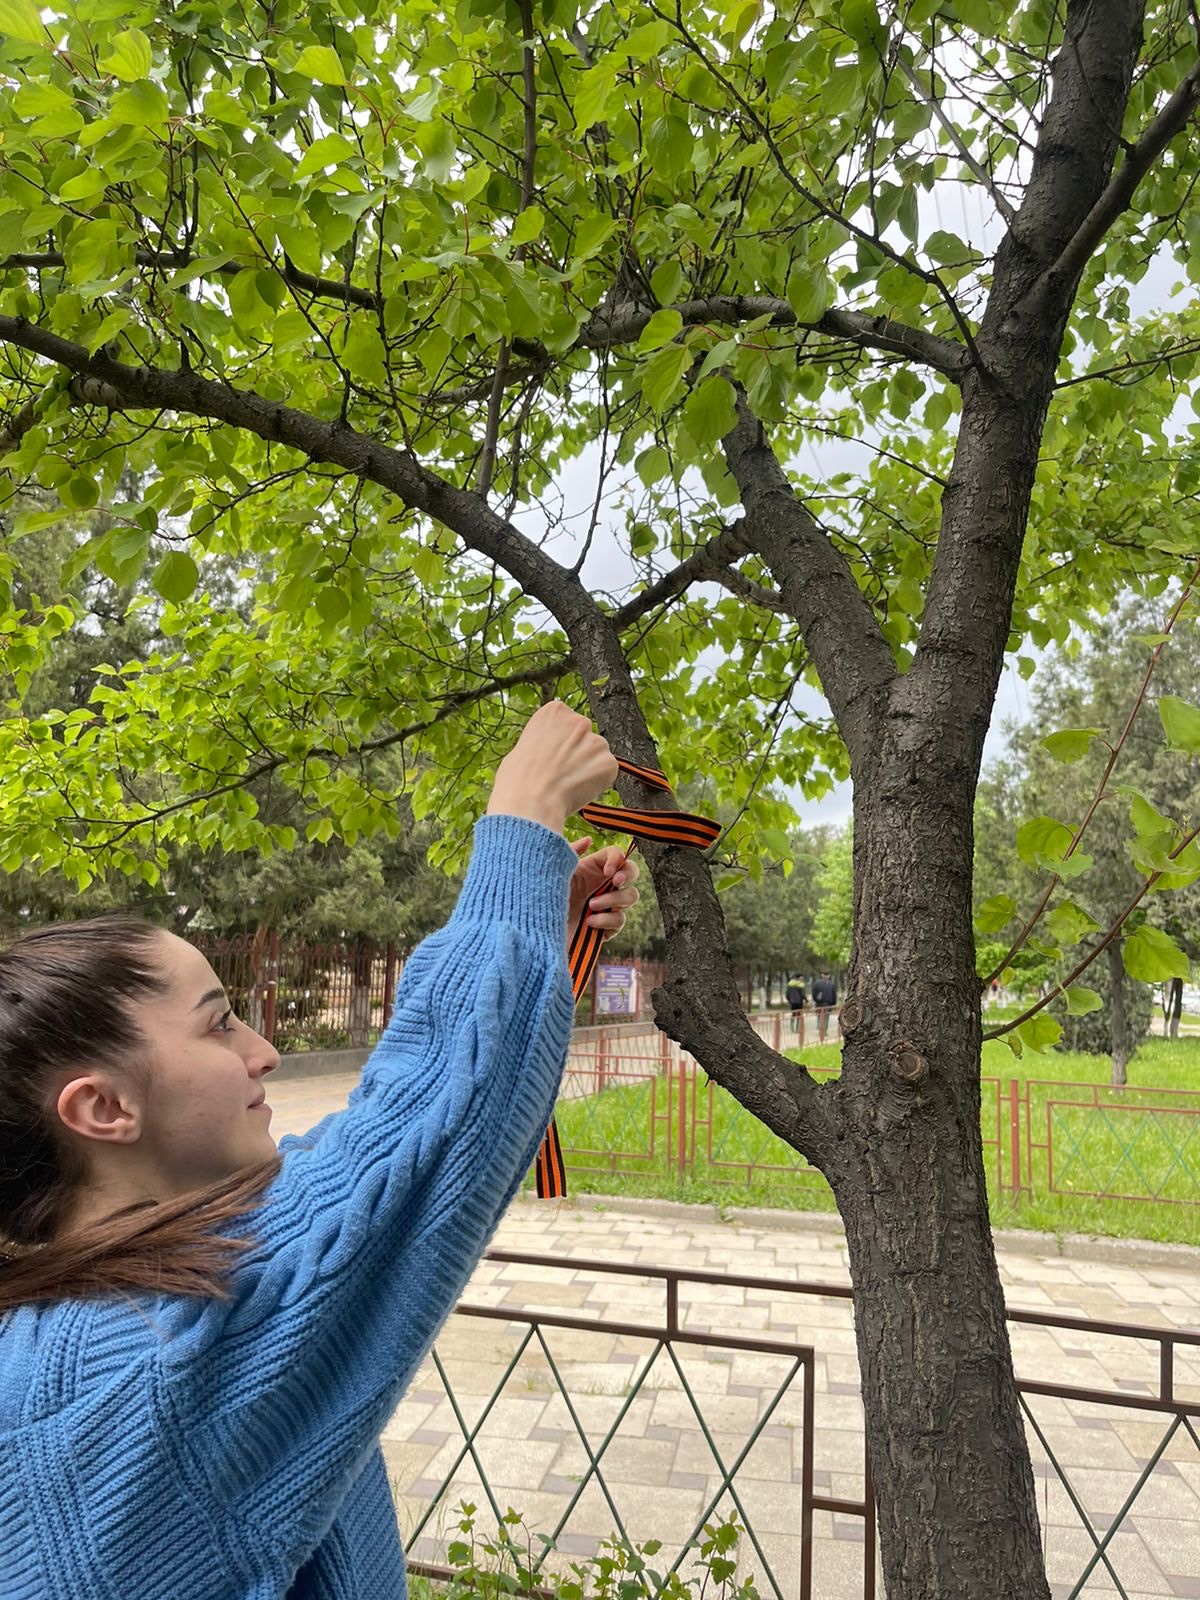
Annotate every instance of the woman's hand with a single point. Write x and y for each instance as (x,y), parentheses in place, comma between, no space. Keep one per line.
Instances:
(557,765)
(609,913)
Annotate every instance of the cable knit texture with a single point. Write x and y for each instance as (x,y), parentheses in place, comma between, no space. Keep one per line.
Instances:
(182,1449)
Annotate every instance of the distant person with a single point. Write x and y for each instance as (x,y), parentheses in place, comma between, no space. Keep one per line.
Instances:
(824,993)
(797,999)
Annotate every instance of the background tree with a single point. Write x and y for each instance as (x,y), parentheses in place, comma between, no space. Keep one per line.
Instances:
(833,926)
(1088,693)
(357,291)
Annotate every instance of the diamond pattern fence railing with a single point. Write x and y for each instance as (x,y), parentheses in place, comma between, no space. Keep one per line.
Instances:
(1092,1141)
(638,1413)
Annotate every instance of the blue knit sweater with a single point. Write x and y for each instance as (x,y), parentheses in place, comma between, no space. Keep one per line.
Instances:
(182,1449)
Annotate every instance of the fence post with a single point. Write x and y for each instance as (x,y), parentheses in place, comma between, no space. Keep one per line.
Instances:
(682,1135)
(272,987)
(389,981)
(779,1030)
(602,1061)
(1014,1134)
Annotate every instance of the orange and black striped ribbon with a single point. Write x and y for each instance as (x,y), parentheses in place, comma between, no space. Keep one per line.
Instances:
(663,827)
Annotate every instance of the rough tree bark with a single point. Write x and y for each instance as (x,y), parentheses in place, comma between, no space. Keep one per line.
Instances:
(898,1135)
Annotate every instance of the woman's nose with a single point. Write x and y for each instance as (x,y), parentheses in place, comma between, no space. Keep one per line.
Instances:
(262,1057)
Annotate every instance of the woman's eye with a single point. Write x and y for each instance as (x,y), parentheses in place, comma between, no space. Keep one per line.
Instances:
(224,1024)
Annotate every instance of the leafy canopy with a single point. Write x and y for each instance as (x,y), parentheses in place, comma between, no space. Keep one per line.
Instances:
(524,246)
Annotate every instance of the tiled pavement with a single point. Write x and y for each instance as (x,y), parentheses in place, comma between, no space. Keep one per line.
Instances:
(658,1468)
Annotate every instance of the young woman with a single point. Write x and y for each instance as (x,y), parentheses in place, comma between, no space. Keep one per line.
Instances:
(201,1339)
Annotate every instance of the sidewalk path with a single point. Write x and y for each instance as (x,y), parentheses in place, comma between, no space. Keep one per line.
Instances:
(659,1469)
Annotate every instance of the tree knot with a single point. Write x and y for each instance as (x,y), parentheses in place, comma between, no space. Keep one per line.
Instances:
(906,1062)
(852,1015)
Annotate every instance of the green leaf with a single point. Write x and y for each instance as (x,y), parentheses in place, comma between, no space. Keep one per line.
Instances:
(528,225)
(130,57)
(595,95)
(1080,1000)
(809,293)
(1071,744)
(995,912)
(325,152)
(1069,922)
(19,19)
(1181,723)
(322,64)
(641,539)
(34,521)
(1151,955)
(1041,842)
(653,464)
(332,604)
(142,105)
(592,235)
(662,375)
(710,411)
(1040,1033)
(80,492)
(661,329)
(176,576)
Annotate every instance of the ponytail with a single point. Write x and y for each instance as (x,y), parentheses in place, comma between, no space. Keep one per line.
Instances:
(171,1247)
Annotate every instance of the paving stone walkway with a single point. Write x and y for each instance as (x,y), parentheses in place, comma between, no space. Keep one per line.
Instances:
(659,1471)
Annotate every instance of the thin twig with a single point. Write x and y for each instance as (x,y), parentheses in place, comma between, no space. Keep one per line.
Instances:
(1003,205)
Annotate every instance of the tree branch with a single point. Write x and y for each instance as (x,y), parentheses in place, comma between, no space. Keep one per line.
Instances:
(164,260)
(1113,755)
(622,323)
(699,1004)
(1003,205)
(848,649)
(1118,192)
(1082,966)
(617,325)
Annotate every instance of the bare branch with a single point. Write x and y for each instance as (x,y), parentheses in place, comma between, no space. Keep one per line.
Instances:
(487,455)
(1161,358)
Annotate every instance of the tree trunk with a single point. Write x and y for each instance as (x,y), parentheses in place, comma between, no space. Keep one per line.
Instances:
(954,1486)
(1116,1012)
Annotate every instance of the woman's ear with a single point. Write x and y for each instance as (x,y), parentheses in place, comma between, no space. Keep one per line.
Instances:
(97,1107)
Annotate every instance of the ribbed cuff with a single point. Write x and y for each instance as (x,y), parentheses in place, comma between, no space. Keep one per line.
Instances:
(518,875)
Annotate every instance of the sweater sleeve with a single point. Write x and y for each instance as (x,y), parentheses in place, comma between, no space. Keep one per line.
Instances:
(368,1236)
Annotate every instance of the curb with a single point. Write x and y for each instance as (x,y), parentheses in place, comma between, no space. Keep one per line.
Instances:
(1012,1241)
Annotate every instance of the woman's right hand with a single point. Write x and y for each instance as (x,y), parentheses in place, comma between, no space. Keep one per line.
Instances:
(557,765)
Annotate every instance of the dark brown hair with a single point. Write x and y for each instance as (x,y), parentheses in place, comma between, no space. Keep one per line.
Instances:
(66,1000)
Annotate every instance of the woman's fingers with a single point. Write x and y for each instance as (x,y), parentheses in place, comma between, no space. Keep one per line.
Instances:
(607,911)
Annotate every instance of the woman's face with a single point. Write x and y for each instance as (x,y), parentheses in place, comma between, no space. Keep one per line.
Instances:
(203,1109)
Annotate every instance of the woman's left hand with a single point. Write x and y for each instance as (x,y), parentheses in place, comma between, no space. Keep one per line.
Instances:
(609,912)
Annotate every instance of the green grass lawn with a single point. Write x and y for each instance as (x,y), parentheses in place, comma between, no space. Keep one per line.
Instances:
(1124,1144)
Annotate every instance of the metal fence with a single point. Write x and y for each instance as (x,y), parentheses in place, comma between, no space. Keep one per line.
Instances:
(633,1102)
(306,994)
(648,1417)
